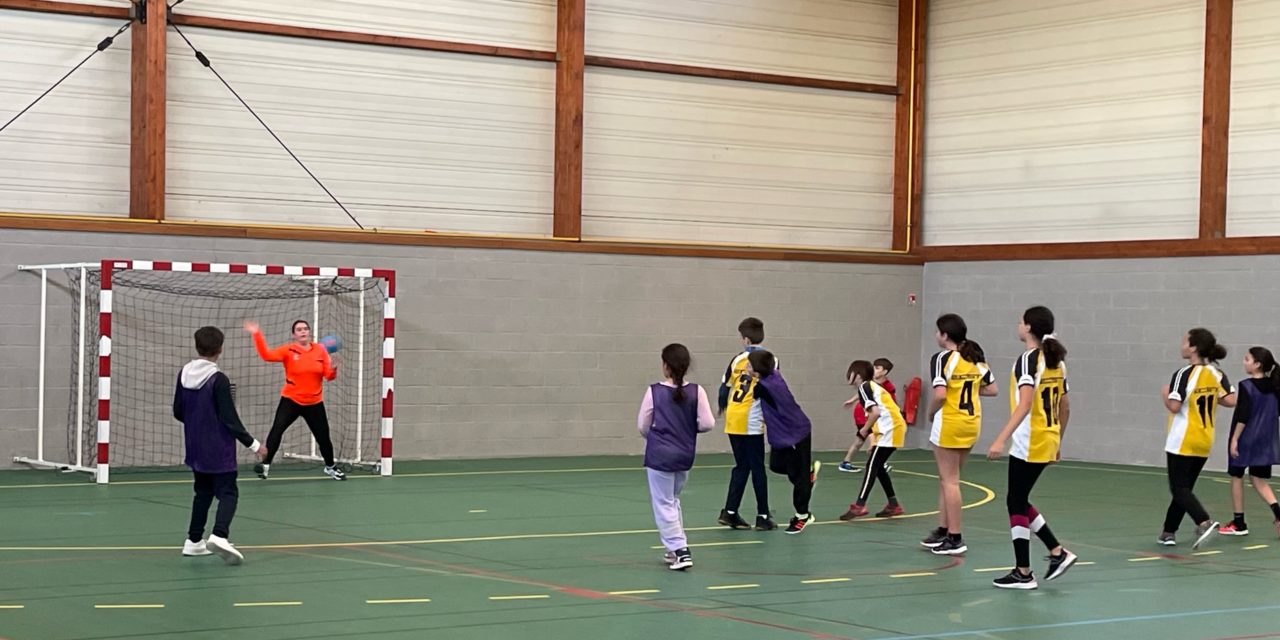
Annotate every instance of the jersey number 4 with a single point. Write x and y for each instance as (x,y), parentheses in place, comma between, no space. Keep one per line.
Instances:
(966,398)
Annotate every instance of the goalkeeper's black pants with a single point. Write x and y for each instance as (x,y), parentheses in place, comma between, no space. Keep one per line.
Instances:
(287,413)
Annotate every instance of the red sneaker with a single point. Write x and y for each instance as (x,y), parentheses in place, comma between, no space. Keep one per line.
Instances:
(1232,529)
(890,511)
(855,511)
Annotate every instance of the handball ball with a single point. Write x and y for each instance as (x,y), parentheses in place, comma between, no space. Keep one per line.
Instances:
(331,343)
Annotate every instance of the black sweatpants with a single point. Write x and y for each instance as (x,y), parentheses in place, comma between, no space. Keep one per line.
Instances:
(1183,473)
(875,471)
(288,412)
(748,460)
(209,486)
(796,463)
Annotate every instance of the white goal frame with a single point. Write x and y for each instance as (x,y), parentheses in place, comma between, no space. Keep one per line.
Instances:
(102,469)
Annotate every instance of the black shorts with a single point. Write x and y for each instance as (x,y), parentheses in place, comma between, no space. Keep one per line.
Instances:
(1261,471)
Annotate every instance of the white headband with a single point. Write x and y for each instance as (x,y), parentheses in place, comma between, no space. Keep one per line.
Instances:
(1049,336)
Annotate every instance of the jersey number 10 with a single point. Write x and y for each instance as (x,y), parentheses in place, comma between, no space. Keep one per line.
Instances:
(1051,398)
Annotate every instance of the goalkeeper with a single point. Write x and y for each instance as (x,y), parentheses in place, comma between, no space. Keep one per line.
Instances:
(306,367)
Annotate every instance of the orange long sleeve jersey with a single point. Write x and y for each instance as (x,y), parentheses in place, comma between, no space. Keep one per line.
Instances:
(304,369)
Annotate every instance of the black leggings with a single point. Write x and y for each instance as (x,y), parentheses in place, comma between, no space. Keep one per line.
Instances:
(1024,519)
(875,471)
(287,413)
(1183,473)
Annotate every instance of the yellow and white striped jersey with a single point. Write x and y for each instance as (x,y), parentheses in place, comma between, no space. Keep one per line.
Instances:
(1198,387)
(1039,435)
(957,425)
(889,430)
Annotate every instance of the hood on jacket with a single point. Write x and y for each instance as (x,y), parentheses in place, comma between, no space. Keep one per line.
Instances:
(197,372)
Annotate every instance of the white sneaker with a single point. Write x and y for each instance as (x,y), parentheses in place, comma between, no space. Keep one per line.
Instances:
(335,473)
(193,549)
(225,550)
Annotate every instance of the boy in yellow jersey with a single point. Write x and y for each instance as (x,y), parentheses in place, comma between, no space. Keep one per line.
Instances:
(1037,417)
(744,423)
(1192,398)
(887,432)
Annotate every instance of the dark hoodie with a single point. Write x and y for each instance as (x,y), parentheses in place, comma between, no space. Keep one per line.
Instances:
(203,404)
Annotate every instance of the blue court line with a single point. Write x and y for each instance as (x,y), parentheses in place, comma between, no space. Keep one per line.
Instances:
(1082,623)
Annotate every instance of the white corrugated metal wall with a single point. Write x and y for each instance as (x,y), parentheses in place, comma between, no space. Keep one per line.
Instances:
(69,154)
(414,140)
(406,139)
(698,160)
(1253,186)
(1061,121)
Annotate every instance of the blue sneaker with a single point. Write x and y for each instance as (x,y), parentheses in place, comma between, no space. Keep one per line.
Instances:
(848,467)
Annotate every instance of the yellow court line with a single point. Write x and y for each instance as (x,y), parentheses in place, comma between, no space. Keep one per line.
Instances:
(636,592)
(288,603)
(1086,563)
(715,544)
(992,569)
(825,580)
(725,587)
(399,601)
(1207,553)
(13,606)
(478,511)
(1256,546)
(988,496)
(541,596)
(920,574)
(128,606)
(1146,559)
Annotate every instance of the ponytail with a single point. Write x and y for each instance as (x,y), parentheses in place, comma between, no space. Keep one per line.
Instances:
(1267,364)
(972,351)
(677,359)
(1206,345)
(1040,321)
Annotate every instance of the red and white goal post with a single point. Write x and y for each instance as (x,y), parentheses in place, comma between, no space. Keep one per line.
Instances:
(141,315)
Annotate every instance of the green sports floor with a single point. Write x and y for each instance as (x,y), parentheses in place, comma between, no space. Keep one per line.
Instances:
(566,548)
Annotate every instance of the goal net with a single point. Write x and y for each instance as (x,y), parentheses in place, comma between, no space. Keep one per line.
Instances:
(138,319)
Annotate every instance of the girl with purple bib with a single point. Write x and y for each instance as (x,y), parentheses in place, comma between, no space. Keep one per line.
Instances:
(672,415)
(1255,437)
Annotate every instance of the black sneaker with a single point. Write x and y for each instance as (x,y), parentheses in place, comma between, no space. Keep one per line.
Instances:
(950,547)
(683,560)
(733,520)
(1015,580)
(765,523)
(798,524)
(935,538)
(1059,564)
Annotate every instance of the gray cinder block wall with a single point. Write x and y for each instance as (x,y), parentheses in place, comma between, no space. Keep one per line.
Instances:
(1123,322)
(518,353)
